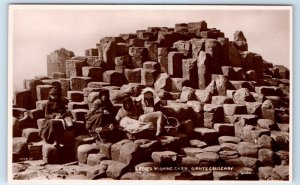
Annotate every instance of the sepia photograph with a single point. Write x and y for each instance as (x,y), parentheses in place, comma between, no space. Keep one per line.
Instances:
(149,92)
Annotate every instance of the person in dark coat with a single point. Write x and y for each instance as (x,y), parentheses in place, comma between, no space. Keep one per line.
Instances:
(52,130)
(100,120)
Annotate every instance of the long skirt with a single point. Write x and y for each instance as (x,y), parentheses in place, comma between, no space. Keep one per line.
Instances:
(52,130)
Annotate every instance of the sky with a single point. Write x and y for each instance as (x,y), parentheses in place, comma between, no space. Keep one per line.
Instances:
(37,31)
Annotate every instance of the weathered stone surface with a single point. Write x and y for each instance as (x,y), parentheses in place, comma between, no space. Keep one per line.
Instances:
(228,155)
(130,154)
(94,72)
(79,114)
(266,157)
(115,149)
(228,139)
(75,96)
(232,109)
(204,73)
(51,154)
(224,129)
(208,157)
(116,169)
(165,158)
(253,107)
(79,83)
(133,75)
(95,159)
(74,68)
(175,64)
(77,105)
(43,91)
(203,96)
(221,100)
(213,148)
(187,94)
(56,61)
(265,172)
(241,96)
(138,56)
(19,148)
(280,173)
(114,78)
(22,98)
(234,56)
(265,142)
(267,110)
(210,136)
(250,162)
(225,175)
(247,149)
(84,150)
(283,155)
(32,134)
(148,77)
(152,49)
(197,143)
(96,171)
(163,81)
(267,124)
(190,71)
(229,147)
(191,152)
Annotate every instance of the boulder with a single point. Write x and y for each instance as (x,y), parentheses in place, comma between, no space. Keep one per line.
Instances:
(74,68)
(247,149)
(266,157)
(152,47)
(84,150)
(224,129)
(133,75)
(208,157)
(79,83)
(203,96)
(163,81)
(232,109)
(148,77)
(204,71)
(94,72)
(220,100)
(165,158)
(116,170)
(241,96)
(265,141)
(228,139)
(95,159)
(75,96)
(267,110)
(280,173)
(253,107)
(130,153)
(265,172)
(115,149)
(250,162)
(209,136)
(187,94)
(114,78)
(190,71)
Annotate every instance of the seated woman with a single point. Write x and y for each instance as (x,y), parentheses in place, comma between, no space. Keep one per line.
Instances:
(128,116)
(52,130)
(148,111)
(99,119)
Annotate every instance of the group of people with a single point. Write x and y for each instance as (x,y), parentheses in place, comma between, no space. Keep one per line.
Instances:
(143,113)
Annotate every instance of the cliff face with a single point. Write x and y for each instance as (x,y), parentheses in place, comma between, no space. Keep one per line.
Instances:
(233,107)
